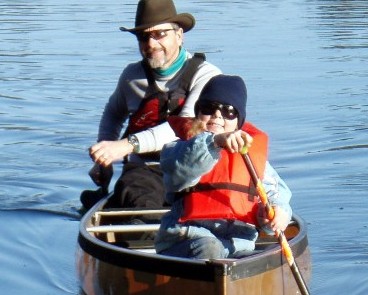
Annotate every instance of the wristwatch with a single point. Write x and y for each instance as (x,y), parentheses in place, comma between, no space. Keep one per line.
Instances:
(133,140)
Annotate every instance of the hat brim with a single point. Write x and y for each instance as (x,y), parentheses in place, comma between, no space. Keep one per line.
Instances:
(184,20)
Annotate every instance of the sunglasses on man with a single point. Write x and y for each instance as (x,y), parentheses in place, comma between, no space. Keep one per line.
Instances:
(209,108)
(156,35)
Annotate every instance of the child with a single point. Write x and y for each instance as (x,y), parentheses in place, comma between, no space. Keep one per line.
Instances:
(215,212)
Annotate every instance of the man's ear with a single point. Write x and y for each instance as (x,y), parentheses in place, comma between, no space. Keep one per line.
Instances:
(180,36)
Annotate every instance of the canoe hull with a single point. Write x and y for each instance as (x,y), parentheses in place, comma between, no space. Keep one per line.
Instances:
(107,269)
(100,278)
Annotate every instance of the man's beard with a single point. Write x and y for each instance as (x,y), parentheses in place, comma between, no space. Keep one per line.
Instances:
(156,63)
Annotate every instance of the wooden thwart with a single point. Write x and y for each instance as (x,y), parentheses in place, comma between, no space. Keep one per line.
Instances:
(130,212)
(123,228)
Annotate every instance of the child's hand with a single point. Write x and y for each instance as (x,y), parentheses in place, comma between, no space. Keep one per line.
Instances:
(233,141)
(279,222)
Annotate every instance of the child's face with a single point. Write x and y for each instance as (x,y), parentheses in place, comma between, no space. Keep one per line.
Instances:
(216,123)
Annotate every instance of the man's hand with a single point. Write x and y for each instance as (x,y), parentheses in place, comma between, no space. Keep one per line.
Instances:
(107,152)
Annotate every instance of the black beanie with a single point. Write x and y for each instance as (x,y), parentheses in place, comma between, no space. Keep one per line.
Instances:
(226,89)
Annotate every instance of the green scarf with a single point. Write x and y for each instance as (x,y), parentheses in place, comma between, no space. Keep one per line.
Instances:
(176,65)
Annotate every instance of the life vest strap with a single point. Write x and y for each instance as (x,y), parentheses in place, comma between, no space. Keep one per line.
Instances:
(185,80)
(200,187)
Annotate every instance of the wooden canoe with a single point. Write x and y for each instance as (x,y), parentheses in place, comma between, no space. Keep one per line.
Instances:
(117,258)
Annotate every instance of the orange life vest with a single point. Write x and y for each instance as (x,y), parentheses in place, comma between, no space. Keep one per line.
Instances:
(227,191)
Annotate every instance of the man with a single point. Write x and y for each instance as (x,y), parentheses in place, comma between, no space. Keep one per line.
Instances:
(166,82)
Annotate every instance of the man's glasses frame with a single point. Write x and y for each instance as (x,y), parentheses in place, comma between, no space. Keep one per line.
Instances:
(156,35)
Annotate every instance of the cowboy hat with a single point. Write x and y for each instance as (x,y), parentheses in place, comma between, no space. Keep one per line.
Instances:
(154,12)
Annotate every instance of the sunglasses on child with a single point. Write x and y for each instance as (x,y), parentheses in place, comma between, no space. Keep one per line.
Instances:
(209,108)
(156,35)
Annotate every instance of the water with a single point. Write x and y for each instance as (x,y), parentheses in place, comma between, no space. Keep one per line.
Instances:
(305,65)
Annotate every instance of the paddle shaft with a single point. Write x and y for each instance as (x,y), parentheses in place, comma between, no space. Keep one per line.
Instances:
(285,247)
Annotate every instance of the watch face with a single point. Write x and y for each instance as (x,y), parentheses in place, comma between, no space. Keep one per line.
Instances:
(133,140)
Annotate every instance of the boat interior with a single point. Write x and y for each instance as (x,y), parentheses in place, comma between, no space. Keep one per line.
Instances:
(115,227)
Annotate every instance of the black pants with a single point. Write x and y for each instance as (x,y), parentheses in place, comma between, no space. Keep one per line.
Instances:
(139,186)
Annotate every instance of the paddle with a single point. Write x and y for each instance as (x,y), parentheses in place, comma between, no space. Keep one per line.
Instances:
(285,247)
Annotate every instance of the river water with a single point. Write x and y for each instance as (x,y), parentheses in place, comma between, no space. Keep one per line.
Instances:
(305,65)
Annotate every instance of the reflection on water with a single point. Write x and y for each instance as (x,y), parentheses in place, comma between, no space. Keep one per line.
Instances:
(344,23)
(342,27)
(305,63)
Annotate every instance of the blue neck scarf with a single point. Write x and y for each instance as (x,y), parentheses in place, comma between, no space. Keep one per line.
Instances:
(176,65)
